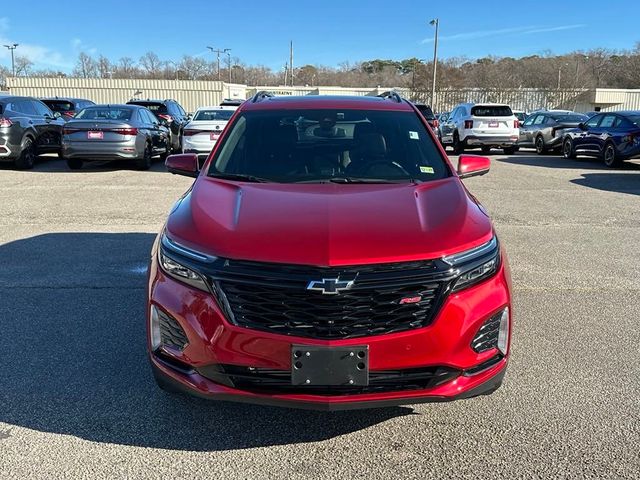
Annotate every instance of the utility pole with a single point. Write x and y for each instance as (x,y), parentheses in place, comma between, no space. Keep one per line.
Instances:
(13,62)
(286,69)
(291,60)
(435,22)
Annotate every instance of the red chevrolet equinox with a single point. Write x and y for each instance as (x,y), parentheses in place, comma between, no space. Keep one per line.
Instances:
(328,256)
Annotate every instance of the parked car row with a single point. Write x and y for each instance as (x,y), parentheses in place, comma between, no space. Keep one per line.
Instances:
(611,136)
(79,131)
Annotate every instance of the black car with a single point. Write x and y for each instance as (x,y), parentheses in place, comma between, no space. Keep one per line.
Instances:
(545,130)
(231,102)
(66,107)
(171,114)
(27,128)
(428,115)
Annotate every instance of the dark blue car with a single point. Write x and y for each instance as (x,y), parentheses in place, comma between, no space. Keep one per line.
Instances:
(612,136)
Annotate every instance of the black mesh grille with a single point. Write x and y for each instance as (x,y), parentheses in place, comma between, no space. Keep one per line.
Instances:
(171,333)
(275,299)
(263,380)
(487,336)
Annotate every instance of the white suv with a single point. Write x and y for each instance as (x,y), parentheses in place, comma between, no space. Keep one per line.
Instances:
(482,125)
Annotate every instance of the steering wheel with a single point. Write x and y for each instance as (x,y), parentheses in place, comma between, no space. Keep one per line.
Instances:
(387,164)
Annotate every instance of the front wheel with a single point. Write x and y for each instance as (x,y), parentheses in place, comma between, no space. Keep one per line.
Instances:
(567,149)
(509,150)
(486,150)
(610,156)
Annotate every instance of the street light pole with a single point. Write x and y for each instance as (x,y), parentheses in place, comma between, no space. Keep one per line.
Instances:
(13,62)
(217,51)
(435,22)
(227,50)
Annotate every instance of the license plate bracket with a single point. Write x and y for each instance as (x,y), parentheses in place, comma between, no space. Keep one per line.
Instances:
(330,366)
(95,135)
(493,124)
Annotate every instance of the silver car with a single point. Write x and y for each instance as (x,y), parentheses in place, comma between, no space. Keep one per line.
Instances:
(114,132)
(544,130)
(202,132)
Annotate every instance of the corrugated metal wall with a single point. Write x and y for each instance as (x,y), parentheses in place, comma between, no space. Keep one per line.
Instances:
(195,93)
(191,94)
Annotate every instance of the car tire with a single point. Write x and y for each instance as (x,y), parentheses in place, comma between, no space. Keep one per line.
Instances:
(144,163)
(567,149)
(27,157)
(610,156)
(74,163)
(458,145)
(486,150)
(541,149)
(510,150)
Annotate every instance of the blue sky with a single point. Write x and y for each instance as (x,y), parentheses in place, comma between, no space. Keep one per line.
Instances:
(324,32)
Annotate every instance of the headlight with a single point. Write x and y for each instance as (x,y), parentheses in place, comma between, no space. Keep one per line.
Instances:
(170,264)
(475,265)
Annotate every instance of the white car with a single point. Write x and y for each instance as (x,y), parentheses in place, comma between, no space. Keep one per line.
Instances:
(483,125)
(202,132)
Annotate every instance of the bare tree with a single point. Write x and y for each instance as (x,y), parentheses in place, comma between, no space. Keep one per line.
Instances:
(86,66)
(151,63)
(23,66)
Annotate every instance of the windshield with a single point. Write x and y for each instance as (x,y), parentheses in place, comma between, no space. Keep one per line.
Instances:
(154,107)
(491,111)
(213,115)
(59,105)
(329,145)
(575,118)
(104,113)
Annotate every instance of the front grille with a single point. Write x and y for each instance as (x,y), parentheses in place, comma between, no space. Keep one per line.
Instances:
(274,298)
(262,380)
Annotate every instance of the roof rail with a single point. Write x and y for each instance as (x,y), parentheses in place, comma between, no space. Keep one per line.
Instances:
(261,95)
(391,95)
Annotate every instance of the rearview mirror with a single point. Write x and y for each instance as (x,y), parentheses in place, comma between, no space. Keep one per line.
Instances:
(183,164)
(472,165)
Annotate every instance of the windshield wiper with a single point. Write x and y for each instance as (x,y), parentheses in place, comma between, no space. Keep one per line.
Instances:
(368,180)
(240,177)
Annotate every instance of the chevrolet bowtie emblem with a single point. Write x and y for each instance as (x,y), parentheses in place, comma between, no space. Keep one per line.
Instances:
(330,286)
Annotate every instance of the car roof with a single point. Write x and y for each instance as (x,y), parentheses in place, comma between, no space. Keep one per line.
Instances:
(625,112)
(66,99)
(348,102)
(115,105)
(218,107)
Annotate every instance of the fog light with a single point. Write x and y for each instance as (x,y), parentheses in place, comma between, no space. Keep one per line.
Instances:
(494,333)
(165,331)
(503,335)
(154,329)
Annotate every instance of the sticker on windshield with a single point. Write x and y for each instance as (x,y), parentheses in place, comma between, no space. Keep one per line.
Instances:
(414,135)
(426,169)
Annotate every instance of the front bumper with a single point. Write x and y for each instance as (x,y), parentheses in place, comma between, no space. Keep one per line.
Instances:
(213,341)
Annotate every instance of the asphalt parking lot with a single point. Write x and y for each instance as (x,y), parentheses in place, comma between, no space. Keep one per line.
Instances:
(77,399)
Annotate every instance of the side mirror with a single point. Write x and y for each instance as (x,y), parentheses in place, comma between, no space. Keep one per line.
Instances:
(472,165)
(582,126)
(183,164)
(57,115)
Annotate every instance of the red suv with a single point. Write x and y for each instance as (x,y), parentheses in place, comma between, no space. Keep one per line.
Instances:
(328,256)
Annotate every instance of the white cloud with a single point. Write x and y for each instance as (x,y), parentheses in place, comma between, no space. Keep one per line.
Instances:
(512,31)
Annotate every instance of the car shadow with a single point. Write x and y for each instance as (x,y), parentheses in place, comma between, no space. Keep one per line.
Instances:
(611,182)
(52,164)
(557,161)
(73,356)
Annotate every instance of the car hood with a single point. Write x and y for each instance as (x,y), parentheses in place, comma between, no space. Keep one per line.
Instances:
(328,224)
